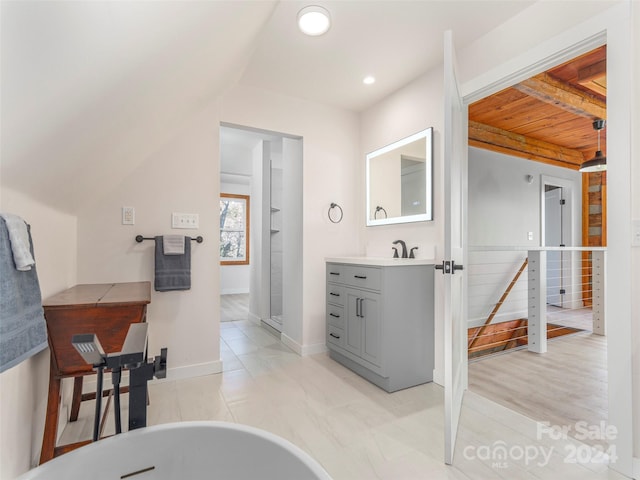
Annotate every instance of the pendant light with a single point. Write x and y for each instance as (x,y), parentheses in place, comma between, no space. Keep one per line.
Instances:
(599,162)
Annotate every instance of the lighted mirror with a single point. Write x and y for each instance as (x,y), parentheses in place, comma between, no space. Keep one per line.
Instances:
(399,183)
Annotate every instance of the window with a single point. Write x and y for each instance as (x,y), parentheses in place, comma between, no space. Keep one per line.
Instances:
(234,229)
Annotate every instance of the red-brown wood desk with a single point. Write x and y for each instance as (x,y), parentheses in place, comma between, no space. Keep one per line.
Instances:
(104,309)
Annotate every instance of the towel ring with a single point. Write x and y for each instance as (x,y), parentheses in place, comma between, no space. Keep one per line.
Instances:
(335,205)
(378,208)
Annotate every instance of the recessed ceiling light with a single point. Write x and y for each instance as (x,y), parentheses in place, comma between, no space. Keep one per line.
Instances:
(314,20)
(369,80)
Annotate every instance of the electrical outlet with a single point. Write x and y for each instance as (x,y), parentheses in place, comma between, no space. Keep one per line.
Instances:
(185,220)
(529,235)
(128,215)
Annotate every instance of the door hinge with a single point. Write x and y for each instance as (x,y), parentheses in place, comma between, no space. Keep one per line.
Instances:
(562,291)
(563,201)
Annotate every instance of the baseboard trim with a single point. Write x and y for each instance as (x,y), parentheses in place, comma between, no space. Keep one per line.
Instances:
(437,378)
(234,291)
(302,350)
(254,318)
(176,373)
(314,348)
(190,371)
(291,343)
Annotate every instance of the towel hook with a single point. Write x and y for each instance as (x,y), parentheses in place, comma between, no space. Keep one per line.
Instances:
(335,205)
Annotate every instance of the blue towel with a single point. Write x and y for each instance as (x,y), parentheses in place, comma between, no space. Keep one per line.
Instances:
(23,331)
(173,272)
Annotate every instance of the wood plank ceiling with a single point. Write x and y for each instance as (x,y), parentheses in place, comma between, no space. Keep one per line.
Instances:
(547,118)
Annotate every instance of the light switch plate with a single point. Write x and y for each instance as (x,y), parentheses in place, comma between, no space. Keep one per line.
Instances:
(185,220)
(128,216)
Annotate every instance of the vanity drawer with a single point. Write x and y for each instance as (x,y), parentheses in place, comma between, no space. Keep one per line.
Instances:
(335,316)
(335,336)
(335,294)
(361,277)
(334,273)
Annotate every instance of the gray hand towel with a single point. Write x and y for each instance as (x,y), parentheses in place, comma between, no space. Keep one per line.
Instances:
(173,272)
(23,331)
(20,241)
(173,244)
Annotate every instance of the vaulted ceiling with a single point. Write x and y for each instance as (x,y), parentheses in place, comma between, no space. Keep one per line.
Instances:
(91,89)
(547,118)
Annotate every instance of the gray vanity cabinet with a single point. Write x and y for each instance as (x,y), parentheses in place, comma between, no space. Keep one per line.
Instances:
(380,322)
(363,325)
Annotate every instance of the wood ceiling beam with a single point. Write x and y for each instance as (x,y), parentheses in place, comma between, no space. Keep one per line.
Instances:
(546,89)
(594,77)
(502,141)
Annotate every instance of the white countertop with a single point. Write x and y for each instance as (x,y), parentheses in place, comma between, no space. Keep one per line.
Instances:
(381,261)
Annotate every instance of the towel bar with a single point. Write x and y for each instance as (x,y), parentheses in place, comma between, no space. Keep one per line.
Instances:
(140,238)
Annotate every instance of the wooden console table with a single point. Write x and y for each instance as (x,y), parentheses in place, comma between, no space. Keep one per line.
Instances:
(104,309)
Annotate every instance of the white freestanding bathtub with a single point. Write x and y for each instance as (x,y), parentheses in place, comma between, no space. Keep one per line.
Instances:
(185,451)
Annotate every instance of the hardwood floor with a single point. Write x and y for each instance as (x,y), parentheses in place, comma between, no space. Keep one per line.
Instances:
(234,307)
(566,385)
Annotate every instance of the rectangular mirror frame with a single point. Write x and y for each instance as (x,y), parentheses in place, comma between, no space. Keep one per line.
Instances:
(427,135)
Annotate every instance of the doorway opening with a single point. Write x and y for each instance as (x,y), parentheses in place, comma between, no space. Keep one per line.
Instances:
(266,167)
(545,212)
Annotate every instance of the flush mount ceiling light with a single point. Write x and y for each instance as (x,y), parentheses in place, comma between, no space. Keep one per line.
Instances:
(599,162)
(314,20)
(369,80)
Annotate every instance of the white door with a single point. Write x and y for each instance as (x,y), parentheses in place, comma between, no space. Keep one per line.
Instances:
(455,193)
(553,238)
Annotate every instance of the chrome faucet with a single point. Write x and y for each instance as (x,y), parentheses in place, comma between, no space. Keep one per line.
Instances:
(404,247)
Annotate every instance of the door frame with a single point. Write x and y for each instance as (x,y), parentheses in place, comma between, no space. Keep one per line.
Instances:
(613,28)
(570,227)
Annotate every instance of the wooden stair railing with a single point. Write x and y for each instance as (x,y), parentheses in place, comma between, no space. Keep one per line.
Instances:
(497,306)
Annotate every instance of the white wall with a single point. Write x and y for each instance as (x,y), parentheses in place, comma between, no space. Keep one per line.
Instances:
(503,209)
(635,215)
(235,278)
(24,387)
(292,215)
(417,106)
(260,266)
(330,139)
(181,176)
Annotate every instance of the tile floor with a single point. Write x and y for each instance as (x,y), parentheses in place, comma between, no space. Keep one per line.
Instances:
(353,428)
